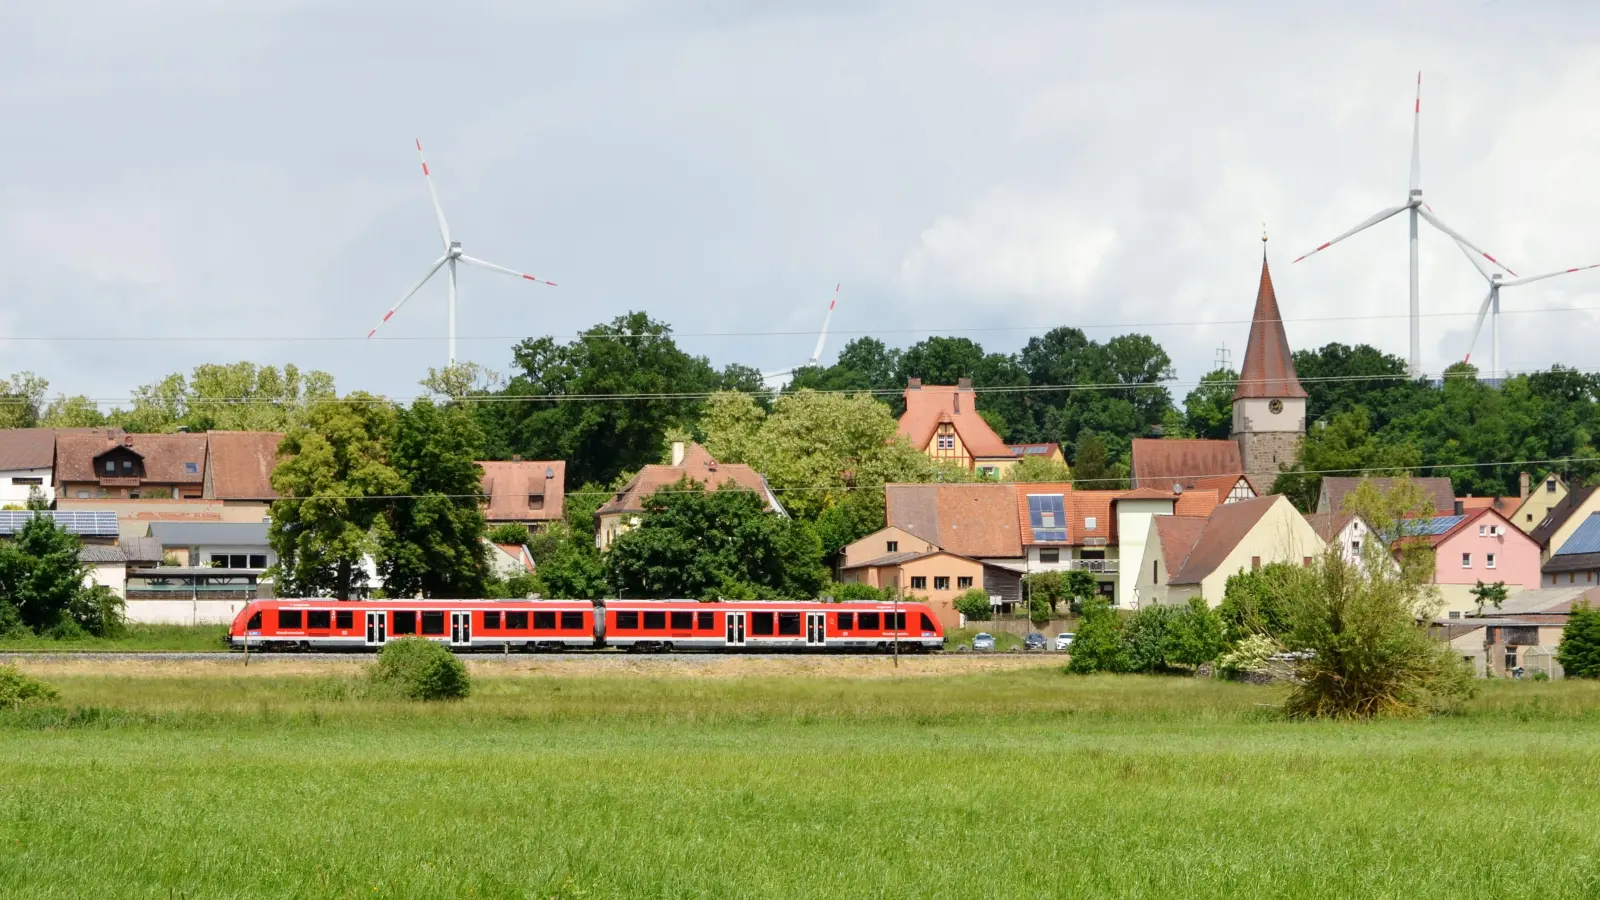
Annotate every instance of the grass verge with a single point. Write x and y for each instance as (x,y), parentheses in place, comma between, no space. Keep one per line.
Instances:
(135,638)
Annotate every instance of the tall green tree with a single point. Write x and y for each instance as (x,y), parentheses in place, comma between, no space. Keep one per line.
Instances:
(42,583)
(723,543)
(334,483)
(865,364)
(22,400)
(1343,445)
(72,412)
(238,396)
(432,542)
(597,402)
(1208,409)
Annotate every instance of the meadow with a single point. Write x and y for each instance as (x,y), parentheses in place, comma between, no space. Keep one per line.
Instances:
(1015,783)
(134,638)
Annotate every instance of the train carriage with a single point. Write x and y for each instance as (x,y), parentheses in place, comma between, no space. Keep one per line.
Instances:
(692,625)
(466,625)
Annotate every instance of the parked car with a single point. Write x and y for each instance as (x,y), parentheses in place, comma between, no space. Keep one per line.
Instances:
(983,640)
(1064,640)
(1034,641)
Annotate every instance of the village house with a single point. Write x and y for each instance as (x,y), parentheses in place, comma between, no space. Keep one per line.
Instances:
(1050,451)
(27,464)
(1577,561)
(1564,518)
(1335,494)
(924,573)
(1537,503)
(623,512)
(1475,546)
(943,422)
(1521,637)
(528,492)
(1191,556)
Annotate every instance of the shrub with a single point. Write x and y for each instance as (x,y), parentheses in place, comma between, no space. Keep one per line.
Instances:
(510,533)
(1194,635)
(1146,636)
(1040,610)
(1579,653)
(1099,645)
(1256,602)
(421,670)
(974,604)
(1249,655)
(1369,653)
(855,591)
(16,687)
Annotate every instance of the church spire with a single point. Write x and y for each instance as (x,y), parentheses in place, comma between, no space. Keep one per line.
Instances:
(1268,369)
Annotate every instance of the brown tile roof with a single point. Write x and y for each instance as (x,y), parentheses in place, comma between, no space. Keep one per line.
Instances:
(927,406)
(509,483)
(698,465)
(976,520)
(1560,513)
(1161,463)
(1502,505)
(27,448)
(1328,525)
(1339,488)
(1268,369)
(1227,526)
(1177,535)
(241,464)
(165,455)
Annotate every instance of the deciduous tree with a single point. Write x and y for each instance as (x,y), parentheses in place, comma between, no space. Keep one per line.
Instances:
(432,540)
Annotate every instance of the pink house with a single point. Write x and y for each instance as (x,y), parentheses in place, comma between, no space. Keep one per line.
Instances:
(1478,545)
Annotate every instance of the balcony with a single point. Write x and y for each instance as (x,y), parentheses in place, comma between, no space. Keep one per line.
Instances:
(110,481)
(1097,566)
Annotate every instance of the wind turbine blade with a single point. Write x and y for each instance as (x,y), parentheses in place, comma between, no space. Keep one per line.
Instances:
(396,308)
(1416,140)
(1476,263)
(823,337)
(502,269)
(1362,227)
(444,228)
(1532,278)
(1483,312)
(1434,221)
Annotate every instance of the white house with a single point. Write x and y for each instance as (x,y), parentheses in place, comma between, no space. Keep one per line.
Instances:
(229,545)
(27,461)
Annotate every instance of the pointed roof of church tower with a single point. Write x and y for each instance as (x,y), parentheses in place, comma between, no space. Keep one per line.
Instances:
(1268,370)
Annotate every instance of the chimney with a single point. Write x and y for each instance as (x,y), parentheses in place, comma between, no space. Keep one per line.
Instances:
(913,384)
(1460,507)
(516,457)
(677,453)
(127,440)
(1522,485)
(964,384)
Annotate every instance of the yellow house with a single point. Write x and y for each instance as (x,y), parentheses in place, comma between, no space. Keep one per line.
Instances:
(1186,556)
(1538,501)
(1563,520)
(943,422)
(884,542)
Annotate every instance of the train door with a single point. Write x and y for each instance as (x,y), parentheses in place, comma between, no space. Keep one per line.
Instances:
(735,629)
(460,629)
(816,629)
(377,628)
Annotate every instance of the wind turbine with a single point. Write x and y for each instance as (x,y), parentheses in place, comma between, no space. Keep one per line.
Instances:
(1491,303)
(1417,209)
(777,378)
(452,255)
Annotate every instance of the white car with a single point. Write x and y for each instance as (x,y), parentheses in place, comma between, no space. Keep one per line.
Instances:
(983,642)
(1064,640)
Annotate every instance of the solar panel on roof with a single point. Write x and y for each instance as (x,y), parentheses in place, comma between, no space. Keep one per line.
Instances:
(1585,540)
(1047,515)
(1430,527)
(101,524)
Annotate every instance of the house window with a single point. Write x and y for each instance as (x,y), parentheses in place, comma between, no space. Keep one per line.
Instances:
(191,468)
(963,582)
(1494,530)
(1049,554)
(1047,518)
(258,561)
(28,482)
(111,467)
(127,467)
(891,547)
(1530,517)
(1549,488)
(941,582)
(1511,658)
(1488,560)
(989,471)
(1483,530)
(919,582)
(1090,523)
(1355,547)
(83,495)
(1466,560)
(1155,570)
(946,442)
(1455,614)
(1255,562)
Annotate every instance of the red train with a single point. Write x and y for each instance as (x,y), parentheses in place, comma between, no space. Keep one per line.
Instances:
(534,625)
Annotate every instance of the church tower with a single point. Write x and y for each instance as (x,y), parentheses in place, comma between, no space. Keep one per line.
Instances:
(1269,405)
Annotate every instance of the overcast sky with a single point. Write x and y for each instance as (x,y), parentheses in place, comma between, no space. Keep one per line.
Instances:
(223,181)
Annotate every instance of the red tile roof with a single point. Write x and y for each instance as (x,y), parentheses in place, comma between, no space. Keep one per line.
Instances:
(1177,535)
(1268,369)
(509,483)
(167,457)
(976,520)
(1161,463)
(241,464)
(928,406)
(698,465)
(1196,503)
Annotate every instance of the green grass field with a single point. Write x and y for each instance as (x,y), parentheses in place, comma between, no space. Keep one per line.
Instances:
(1008,784)
(175,638)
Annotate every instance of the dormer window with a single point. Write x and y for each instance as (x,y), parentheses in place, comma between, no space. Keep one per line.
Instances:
(127,467)
(111,467)
(535,502)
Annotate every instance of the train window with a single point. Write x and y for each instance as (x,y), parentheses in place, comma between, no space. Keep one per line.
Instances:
(255,621)
(433,622)
(544,620)
(893,622)
(789,623)
(847,621)
(319,619)
(491,620)
(868,622)
(288,618)
(927,623)
(572,621)
(404,623)
(655,621)
(627,620)
(761,623)
(516,621)
(707,621)
(344,619)
(682,621)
